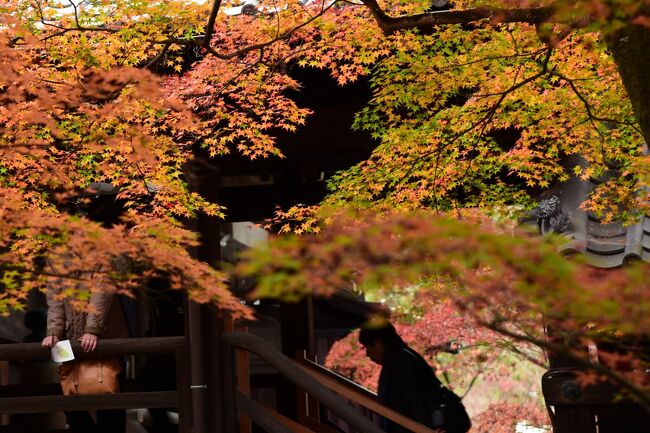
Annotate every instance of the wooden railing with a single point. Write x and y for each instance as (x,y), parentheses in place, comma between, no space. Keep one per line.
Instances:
(330,389)
(576,409)
(290,370)
(359,395)
(14,404)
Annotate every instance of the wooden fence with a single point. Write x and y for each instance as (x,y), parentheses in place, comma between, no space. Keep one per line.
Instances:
(13,400)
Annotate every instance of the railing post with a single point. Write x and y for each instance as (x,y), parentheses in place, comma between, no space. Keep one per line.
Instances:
(184,392)
(296,340)
(243,382)
(288,368)
(229,402)
(198,387)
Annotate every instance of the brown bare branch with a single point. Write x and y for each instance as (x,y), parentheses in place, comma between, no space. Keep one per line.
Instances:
(209,30)
(390,24)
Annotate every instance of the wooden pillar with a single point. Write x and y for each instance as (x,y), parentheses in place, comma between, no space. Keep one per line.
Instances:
(242,361)
(4,380)
(198,385)
(205,324)
(184,393)
(297,332)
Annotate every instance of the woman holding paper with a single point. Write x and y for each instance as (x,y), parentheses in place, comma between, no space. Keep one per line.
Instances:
(101,318)
(77,323)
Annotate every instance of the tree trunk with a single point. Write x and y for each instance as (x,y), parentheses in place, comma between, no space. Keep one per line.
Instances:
(630,47)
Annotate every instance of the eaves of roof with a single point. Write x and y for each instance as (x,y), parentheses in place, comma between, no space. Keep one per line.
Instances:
(604,245)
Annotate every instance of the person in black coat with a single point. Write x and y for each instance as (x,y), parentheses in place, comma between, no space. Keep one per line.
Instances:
(408,385)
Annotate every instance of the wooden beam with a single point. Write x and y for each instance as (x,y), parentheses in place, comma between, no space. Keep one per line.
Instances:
(105,348)
(25,390)
(59,403)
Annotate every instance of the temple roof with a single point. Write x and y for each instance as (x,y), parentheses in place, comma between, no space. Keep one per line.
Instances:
(611,245)
(605,245)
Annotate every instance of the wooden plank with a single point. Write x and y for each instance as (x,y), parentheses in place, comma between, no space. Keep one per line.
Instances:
(59,403)
(12,429)
(371,403)
(24,390)
(105,348)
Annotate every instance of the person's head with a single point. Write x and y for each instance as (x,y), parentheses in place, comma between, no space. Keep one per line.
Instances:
(35,320)
(377,340)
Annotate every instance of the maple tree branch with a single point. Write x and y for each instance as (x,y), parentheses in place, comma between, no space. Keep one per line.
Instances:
(263,45)
(388,24)
(589,108)
(472,382)
(614,377)
(159,56)
(323,5)
(64,30)
(485,120)
(76,275)
(209,30)
(478,373)
(526,356)
(137,166)
(278,23)
(239,74)
(492,112)
(489,58)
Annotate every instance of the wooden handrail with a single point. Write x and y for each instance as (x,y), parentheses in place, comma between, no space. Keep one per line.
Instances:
(338,378)
(360,395)
(105,348)
(288,368)
(57,403)
(125,400)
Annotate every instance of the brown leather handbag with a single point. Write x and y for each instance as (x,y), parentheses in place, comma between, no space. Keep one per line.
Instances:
(90,376)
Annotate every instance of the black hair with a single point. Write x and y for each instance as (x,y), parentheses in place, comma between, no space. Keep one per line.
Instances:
(35,320)
(386,334)
(97,202)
